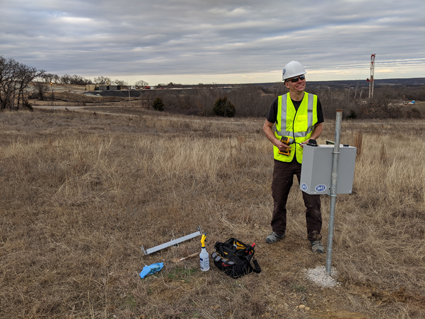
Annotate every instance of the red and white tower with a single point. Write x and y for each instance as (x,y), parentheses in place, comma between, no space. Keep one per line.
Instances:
(372,71)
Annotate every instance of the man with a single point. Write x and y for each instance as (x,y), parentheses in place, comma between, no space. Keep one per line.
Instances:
(298,116)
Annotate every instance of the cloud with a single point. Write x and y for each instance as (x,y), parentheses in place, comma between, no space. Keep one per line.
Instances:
(228,39)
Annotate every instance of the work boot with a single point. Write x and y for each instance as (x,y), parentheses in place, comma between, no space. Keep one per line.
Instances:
(317,247)
(274,237)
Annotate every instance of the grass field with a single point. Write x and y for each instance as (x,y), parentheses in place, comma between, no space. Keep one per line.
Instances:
(80,194)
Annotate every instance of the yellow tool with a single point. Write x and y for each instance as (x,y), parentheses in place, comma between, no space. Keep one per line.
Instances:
(285,140)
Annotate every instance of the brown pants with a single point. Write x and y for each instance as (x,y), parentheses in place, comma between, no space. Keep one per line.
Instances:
(283,175)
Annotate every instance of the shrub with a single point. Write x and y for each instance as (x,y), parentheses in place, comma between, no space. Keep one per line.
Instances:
(223,107)
(28,106)
(41,90)
(413,113)
(352,115)
(158,104)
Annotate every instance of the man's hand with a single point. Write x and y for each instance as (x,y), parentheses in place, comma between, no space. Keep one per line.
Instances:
(315,134)
(304,143)
(281,146)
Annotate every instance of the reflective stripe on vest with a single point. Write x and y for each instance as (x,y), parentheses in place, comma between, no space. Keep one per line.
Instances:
(298,124)
(283,131)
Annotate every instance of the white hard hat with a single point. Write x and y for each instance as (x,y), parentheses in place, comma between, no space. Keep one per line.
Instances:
(293,68)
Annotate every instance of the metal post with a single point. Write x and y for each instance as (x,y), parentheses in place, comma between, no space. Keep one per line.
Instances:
(172,242)
(335,158)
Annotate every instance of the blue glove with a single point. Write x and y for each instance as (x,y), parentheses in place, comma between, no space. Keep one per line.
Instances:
(149,270)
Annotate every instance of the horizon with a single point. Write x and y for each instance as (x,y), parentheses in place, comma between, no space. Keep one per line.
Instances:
(270,82)
(314,77)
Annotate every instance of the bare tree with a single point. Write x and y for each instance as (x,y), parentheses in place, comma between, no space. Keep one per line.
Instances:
(14,79)
(102,80)
(41,88)
(56,78)
(66,79)
(250,100)
(48,77)
(73,79)
(119,82)
(141,83)
(76,79)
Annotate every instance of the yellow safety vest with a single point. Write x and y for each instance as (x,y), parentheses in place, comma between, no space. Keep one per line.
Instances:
(295,124)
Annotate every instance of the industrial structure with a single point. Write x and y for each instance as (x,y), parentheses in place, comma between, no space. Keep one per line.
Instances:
(108,87)
(372,71)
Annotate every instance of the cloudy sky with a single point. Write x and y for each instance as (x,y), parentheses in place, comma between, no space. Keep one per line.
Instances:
(215,41)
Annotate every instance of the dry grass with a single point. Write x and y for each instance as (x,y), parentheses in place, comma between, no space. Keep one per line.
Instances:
(358,141)
(81,193)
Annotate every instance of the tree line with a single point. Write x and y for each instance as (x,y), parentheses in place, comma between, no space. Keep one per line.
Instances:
(79,80)
(254,100)
(15,78)
(8,65)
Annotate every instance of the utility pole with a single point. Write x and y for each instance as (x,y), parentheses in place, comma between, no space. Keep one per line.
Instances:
(51,89)
(372,74)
